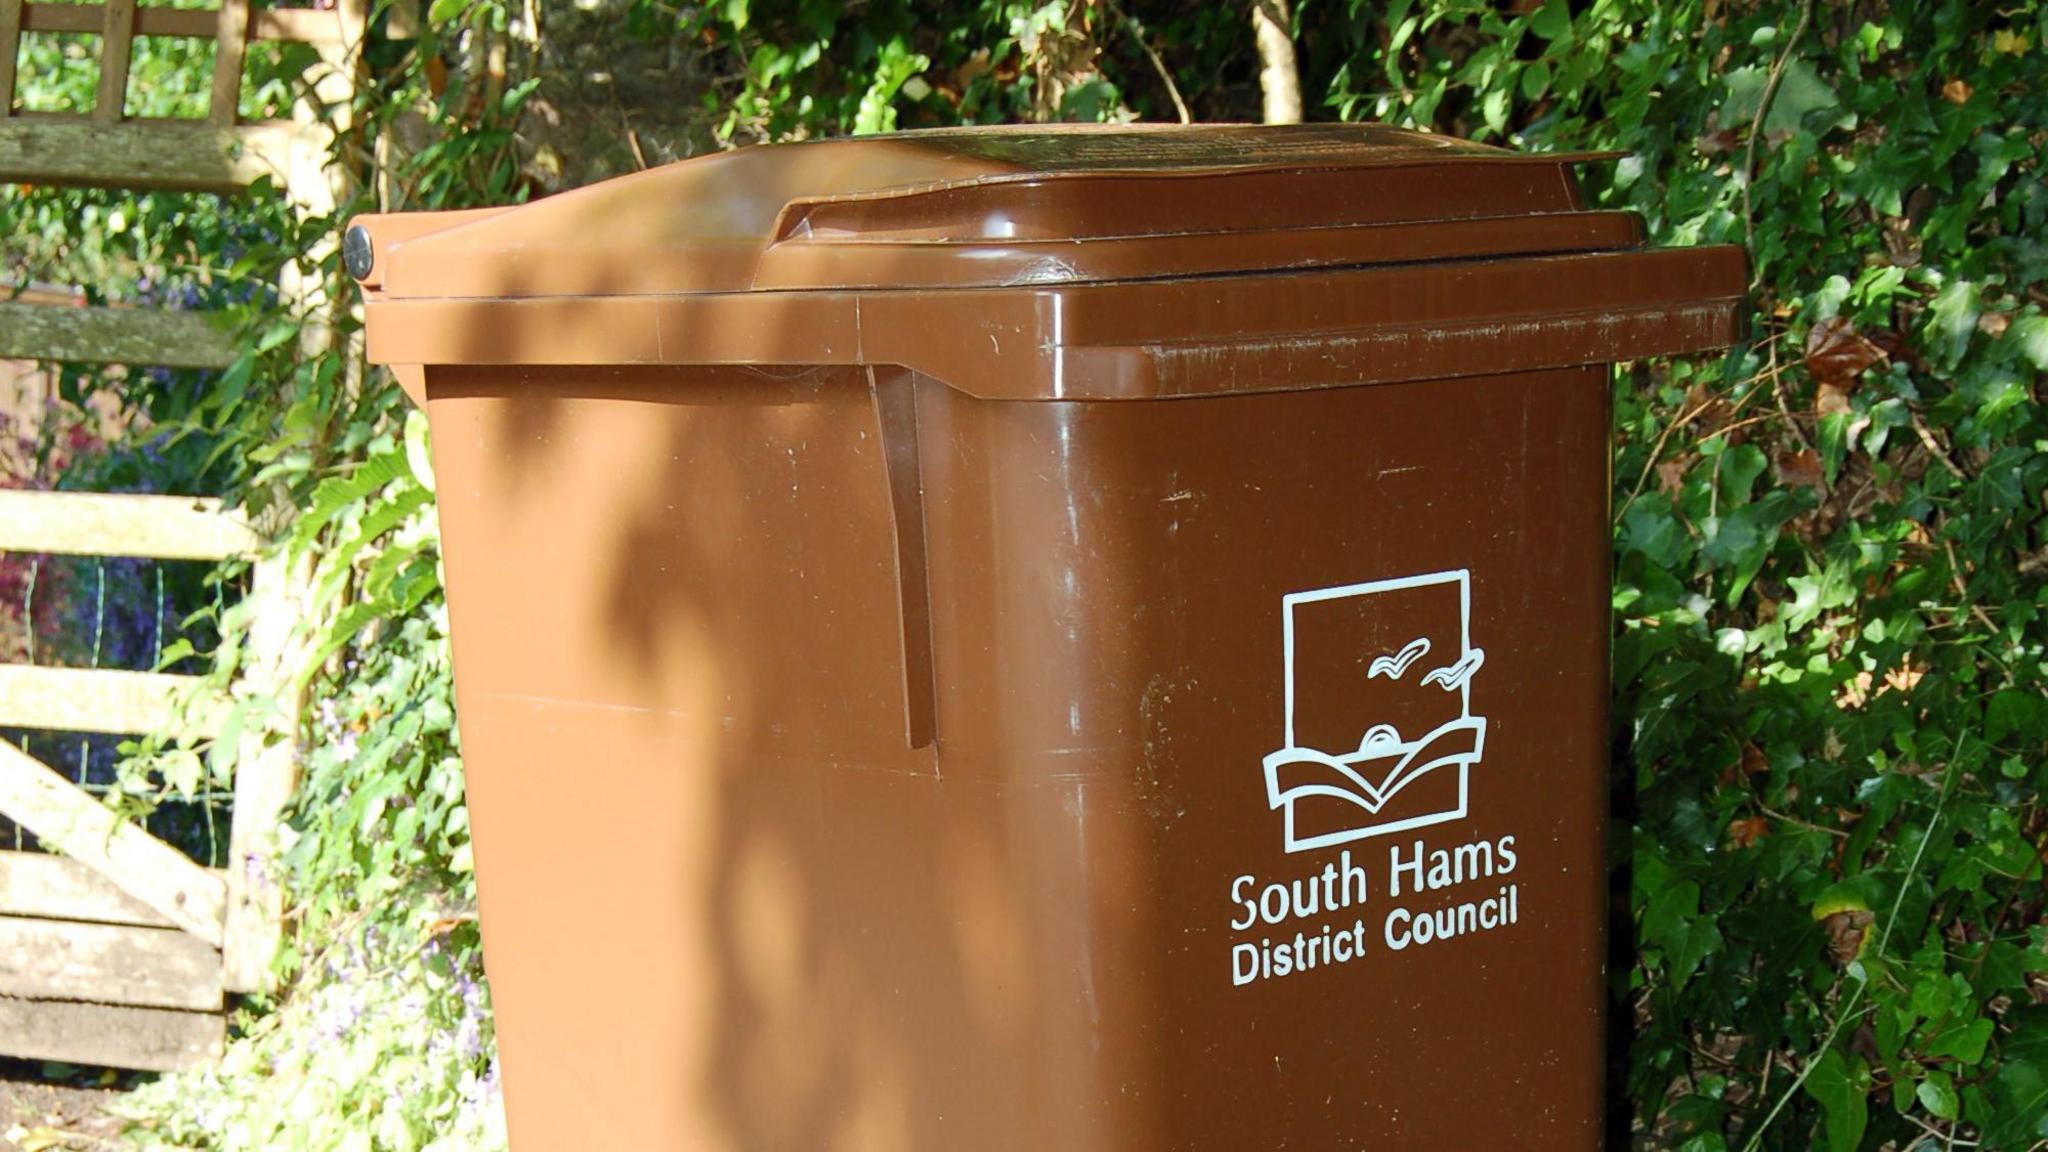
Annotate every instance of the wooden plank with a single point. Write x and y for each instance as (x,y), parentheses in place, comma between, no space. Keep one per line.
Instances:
(403,21)
(190,156)
(266,775)
(60,888)
(302,25)
(121,524)
(92,18)
(141,336)
(146,1039)
(72,822)
(10,52)
(230,37)
(107,964)
(322,29)
(102,700)
(117,51)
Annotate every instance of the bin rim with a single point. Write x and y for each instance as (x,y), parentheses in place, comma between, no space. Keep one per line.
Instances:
(1121,340)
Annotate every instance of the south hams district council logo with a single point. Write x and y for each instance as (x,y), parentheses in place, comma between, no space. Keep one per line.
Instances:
(1380,735)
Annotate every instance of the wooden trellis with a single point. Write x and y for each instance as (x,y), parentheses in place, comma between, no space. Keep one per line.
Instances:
(118,949)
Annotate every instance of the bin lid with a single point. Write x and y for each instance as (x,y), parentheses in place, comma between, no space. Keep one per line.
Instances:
(824,239)
(1006,206)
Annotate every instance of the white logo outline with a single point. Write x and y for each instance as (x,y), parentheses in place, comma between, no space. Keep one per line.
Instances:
(1460,742)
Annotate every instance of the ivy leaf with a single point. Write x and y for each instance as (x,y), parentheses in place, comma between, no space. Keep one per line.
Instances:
(1740,467)
(1673,924)
(1656,534)
(1842,1086)
(1965,1045)
(1937,1094)
(1801,93)
(2030,336)
(1952,316)
(2014,711)
(1553,21)
(2014,1113)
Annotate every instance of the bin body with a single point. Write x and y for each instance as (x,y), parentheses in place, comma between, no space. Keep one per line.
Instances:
(1204,751)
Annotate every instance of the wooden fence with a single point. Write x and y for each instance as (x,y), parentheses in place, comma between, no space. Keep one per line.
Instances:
(115,947)
(119,951)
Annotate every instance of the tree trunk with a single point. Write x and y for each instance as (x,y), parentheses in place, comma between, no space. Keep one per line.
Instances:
(1279,77)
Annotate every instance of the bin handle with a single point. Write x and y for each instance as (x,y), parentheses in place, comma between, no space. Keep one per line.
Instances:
(895,398)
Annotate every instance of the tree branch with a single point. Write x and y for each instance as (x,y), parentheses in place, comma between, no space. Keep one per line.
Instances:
(1279,75)
(1756,126)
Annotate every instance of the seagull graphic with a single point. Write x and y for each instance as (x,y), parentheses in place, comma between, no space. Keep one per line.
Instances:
(1396,666)
(1455,676)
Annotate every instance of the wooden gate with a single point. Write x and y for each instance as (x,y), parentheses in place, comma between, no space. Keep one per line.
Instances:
(119,951)
(115,947)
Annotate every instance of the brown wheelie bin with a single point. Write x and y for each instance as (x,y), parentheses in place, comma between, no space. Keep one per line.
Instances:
(1039,640)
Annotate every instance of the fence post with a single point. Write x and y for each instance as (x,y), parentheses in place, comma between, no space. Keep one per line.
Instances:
(266,774)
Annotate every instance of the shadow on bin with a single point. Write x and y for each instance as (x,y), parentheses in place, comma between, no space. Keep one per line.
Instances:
(1080,639)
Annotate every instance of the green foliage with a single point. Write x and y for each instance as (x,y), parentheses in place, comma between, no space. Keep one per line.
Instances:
(383,1050)
(382,1037)
(812,67)
(1829,579)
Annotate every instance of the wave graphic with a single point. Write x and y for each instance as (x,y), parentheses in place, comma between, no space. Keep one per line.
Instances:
(1378,772)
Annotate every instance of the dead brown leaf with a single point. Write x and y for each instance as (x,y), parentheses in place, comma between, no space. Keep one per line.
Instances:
(1754,762)
(1846,930)
(1798,469)
(1671,476)
(1855,692)
(1894,347)
(1837,354)
(1901,246)
(1743,833)
(1957,91)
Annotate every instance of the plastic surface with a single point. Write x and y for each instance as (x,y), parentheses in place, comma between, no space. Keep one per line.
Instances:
(1040,205)
(1158,710)
(1100,261)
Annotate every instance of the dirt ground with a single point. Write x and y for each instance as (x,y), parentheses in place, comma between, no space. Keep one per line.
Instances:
(37,1115)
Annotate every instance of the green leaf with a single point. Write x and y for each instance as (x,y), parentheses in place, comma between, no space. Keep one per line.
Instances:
(417,456)
(1937,1094)
(1654,532)
(2014,711)
(1965,1044)
(1739,468)
(183,771)
(1553,21)
(1842,1085)
(1801,93)
(275,334)
(173,652)
(2030,335)
(337,494)
(1953,317)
